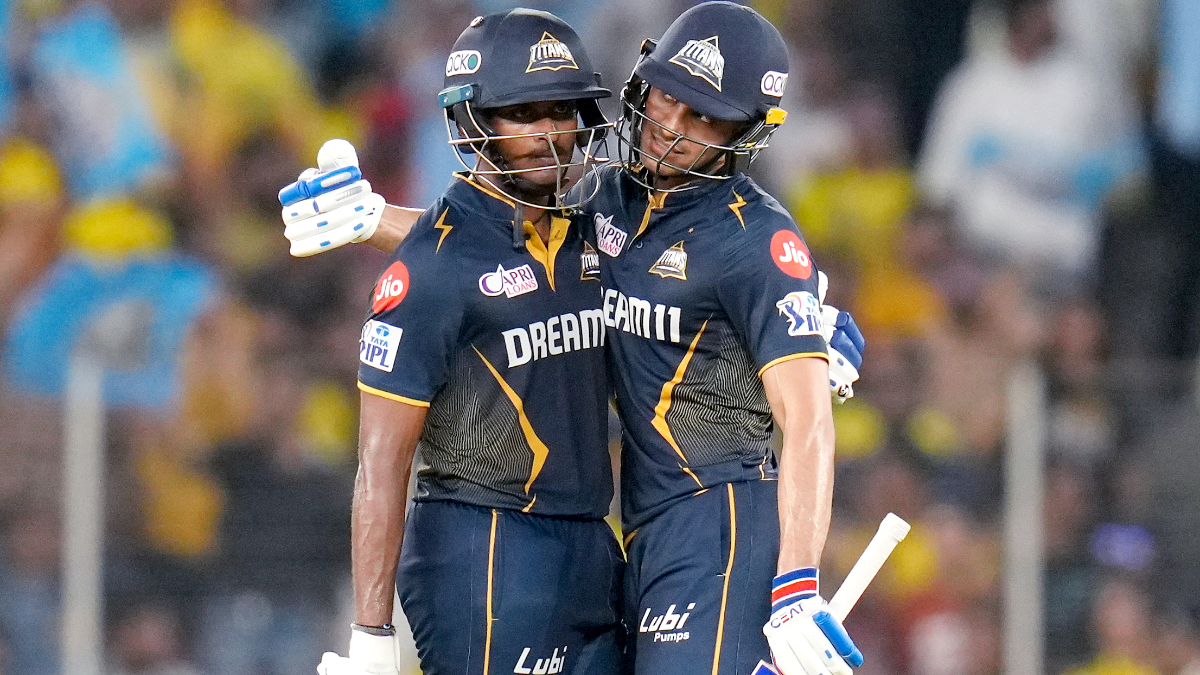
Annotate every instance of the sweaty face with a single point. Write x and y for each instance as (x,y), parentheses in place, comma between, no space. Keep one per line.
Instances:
(663,138)
(534,154)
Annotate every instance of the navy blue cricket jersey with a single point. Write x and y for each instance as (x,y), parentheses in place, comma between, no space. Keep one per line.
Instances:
(704,289)
(505,345)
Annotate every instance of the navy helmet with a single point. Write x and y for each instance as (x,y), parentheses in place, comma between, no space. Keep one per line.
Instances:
(514,57)
(723,60)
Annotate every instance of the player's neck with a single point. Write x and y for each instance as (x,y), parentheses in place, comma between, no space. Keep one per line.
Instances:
(541,220)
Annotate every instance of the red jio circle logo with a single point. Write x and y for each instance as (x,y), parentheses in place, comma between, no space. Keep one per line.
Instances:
(391,289)
(791,255)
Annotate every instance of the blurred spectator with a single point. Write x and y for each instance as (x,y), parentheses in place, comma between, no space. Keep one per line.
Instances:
(31,209)
(1071,577)
(240,82)
(106,139)
(1178,649)
(145,641)
(1024,145)
(118,256)
(1177,173)
(1121,626)
(1083,424)
(283,540)
(1167,454)
(29,590)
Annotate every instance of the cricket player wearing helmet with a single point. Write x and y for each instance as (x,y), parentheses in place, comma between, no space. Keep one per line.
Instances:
(483,316)
(717,334)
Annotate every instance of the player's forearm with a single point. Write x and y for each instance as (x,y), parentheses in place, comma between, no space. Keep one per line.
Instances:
(394,226)
(800,403)
(378,529)
(388,434)
(805,493)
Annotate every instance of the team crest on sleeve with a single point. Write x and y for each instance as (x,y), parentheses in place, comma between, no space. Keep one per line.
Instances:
(550,53)
(589,264)
(377,345)
(672,263)
(610,238)
(790,254)
(803,313)
(510,283)
(391,288)
(703,59)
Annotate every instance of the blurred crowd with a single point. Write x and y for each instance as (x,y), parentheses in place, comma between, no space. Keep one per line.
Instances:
(986,182)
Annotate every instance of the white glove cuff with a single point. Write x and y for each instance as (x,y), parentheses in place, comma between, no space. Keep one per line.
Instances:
(372,649)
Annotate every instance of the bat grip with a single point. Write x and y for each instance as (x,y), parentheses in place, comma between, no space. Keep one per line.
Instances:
(891,531)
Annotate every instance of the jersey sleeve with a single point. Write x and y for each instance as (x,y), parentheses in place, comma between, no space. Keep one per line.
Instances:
(411,334)
(769,289)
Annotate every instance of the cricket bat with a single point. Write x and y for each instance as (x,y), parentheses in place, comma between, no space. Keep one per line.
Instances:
(891,531)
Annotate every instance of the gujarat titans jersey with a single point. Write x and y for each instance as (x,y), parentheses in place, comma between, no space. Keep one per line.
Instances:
(703,290)
(505,345)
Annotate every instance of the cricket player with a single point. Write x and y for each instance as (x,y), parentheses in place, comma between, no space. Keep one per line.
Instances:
(484,350)
(713,306)
(716,332)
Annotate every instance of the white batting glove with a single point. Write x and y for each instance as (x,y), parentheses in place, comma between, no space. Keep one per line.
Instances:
(332,205)
(805,638)
(368,655)
(845,343)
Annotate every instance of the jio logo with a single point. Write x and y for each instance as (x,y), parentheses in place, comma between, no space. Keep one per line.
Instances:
(391,289)
(791,255)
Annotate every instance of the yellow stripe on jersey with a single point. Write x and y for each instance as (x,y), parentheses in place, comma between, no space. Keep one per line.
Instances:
(529,506)
(728,574)
(790,357)
(536,446)
(692,474)
(392,397)
(655,201)
(664,400)
(487,643)
(537,248)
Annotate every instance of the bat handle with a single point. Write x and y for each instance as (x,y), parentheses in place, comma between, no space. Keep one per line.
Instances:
(891,531)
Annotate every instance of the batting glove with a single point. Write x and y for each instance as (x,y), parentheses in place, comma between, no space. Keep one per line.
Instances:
(369,654)
(805,638)
(332,205)
(844,342)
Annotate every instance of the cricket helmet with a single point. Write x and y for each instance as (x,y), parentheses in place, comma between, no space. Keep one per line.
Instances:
(723,60)
(510,58)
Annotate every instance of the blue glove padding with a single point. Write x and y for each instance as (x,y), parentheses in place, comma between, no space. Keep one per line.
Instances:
(307,188)
(839,638)
(848,340)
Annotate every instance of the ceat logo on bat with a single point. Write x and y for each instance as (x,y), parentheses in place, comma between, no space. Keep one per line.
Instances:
(391,289)
(791,255)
